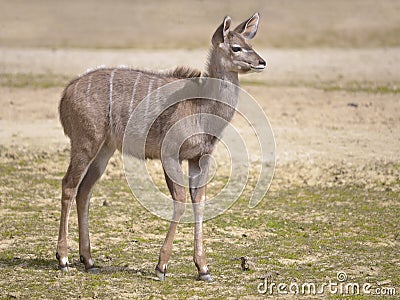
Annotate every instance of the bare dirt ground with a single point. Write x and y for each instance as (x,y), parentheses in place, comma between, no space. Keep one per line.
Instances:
(331,93)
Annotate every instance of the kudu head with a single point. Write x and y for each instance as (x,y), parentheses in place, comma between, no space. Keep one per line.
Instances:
(234,48)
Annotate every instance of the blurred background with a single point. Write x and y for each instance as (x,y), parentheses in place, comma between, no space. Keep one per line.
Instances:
(348,46)
(189,24)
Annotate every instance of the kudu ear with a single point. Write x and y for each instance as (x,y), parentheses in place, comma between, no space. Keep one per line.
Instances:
(249,27)
(222,31)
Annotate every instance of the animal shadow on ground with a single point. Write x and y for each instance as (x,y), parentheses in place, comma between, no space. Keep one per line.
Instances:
(51,264)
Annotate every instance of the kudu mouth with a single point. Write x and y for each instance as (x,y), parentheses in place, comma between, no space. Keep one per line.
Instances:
(260,67)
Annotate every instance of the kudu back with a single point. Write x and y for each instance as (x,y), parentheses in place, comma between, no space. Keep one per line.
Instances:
(95,109)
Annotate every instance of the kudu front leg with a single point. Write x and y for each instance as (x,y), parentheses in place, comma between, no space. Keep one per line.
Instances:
(198,171)
(179,197)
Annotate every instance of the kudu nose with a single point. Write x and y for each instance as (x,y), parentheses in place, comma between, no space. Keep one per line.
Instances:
(262,62)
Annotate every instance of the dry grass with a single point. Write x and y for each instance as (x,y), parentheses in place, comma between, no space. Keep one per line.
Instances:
(302,234)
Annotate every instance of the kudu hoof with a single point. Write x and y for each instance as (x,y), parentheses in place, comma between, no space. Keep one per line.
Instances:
(64,269)
(205,277)
(160,274)
(91,269)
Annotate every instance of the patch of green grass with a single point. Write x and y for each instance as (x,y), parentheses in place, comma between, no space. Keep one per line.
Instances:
(298,235)
(363,87)
(36,81)
(334,86)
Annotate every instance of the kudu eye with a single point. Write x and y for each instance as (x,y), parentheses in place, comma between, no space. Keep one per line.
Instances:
(236,48)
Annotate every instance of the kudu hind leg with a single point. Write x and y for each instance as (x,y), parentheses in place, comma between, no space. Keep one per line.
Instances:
(77,169)
(70,184)
(96,169)
(179,197)
(198,171)
(66,202)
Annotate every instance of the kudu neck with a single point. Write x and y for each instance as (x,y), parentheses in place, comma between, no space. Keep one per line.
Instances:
(217,67)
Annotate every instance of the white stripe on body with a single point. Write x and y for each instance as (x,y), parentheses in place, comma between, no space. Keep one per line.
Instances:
(134,92)
(157,102)
(88,90)
(147,99)
(157,88)
(76,88)
(111,97)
